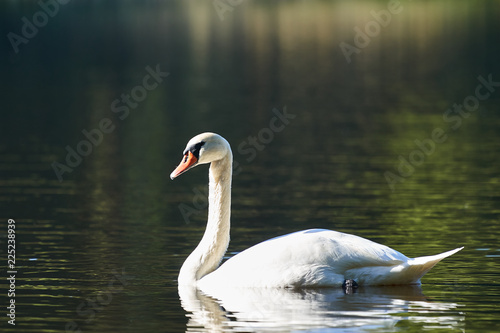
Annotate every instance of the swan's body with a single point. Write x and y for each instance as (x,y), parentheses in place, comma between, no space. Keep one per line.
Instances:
(309,258)
(319,258)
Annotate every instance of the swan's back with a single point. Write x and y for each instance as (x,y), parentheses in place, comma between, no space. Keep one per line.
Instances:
(314,257)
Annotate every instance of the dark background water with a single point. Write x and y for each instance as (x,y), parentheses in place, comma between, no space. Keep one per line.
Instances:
(112,229)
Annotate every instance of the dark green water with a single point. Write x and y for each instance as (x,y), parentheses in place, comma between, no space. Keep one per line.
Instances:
(100,250)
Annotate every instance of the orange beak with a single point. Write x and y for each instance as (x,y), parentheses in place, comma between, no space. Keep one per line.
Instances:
(188,161)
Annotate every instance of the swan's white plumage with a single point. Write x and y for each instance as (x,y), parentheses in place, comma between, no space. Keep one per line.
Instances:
(314,257)
(319,258)
(308,258)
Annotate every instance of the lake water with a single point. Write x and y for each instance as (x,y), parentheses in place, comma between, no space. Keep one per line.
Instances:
(391,133)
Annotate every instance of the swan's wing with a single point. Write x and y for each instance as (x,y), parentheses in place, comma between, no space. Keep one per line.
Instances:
(309,257)
(334,248)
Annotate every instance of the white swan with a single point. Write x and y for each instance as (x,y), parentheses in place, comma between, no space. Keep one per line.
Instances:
(309,258)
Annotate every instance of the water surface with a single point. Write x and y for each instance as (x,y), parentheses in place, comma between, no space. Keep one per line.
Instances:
(100,250)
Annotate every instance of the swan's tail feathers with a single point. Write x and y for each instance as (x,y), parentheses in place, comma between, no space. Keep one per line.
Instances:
(421,265)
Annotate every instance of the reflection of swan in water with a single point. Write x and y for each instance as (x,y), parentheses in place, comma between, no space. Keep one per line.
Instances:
(309,258)
(258,309)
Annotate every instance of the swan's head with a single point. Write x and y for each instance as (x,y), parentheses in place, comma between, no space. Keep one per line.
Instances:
(202,149)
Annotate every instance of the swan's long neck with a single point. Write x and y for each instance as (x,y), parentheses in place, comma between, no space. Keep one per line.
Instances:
(209,252)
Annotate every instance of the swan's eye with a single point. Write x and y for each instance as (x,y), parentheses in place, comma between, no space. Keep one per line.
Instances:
(196,149)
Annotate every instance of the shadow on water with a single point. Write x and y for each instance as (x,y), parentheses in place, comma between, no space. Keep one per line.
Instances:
(368,308)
